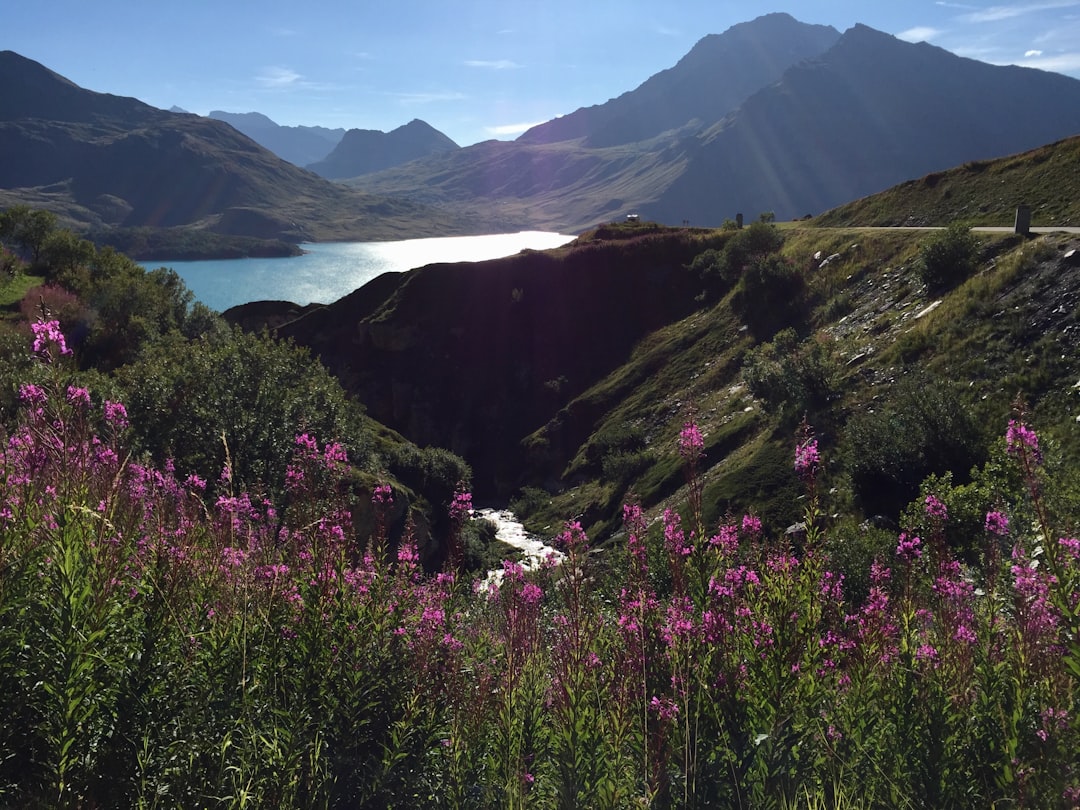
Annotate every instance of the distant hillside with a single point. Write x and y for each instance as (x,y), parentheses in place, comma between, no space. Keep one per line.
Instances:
(108,161)
(299,145)
(980,192)
(362,151)
(713,79)
(861,115)
(871,112)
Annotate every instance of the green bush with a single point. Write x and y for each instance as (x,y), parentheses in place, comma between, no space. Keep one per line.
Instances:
(793,377)
(924,428)
(948,258)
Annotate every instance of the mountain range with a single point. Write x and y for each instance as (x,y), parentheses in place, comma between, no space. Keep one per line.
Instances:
(104,161)
(790,118)
(771,115)
(299,145)
(362,151)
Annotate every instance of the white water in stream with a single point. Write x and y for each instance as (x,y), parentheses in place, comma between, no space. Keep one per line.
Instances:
(533,550)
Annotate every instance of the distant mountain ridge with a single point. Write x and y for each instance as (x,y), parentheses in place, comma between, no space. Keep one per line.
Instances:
(299,145)
(713,79)
(362,151)
(866,112)
(111,161)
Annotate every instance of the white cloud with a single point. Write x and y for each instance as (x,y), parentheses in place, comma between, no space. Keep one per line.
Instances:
(998,13)
(492,64)
(511,129)
(1030,54)
(1059,63)
(278,78)
(920,33)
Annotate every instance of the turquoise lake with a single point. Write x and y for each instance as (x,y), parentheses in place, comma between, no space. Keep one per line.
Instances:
(331,270)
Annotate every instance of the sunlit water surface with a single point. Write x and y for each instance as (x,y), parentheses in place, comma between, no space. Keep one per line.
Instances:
(331,270)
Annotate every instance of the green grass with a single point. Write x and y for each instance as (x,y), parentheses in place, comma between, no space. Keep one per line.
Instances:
(12,290)
(978,193)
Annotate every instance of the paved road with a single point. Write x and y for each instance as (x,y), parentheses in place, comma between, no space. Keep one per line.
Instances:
(978,228)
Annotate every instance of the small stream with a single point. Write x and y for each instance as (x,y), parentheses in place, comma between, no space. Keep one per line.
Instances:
(510,531)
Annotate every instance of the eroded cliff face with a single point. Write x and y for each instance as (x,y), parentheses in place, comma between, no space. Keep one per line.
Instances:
(475,357)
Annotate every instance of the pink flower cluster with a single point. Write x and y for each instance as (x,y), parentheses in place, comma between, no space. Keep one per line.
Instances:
(46,335)
(1020,439)
(935,509)
(691,444)
(909,548)
(807,458)
(997,523)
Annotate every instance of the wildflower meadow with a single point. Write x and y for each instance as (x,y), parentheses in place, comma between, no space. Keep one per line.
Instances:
(167,641)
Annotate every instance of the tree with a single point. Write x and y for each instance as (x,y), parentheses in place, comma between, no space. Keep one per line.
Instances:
(65,253)
(27,229)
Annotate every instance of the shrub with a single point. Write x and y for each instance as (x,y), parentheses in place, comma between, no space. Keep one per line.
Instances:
(793,377)
(926,428)
(949,257)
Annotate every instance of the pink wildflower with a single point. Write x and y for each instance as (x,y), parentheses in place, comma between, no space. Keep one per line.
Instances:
(46,333)
(909,548)
(807,458)
(79,397)
(461,507)
(997,523)
(936,509)
(691,444)
(116,414)
(1019,438)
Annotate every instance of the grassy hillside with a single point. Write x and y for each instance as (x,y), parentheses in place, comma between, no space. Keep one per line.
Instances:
(871,341)
(566,377)
(984,192)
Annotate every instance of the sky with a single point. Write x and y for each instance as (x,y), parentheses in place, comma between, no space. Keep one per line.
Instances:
(473,69)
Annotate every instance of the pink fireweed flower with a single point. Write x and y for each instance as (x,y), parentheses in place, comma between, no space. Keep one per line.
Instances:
(909,549)
(665,708)
(751,525)
(807,458)
(461,507)
(936,509)
(48,333)
(572,539)
(1019,438)
(727,540)
(382,495)
(334,454)
(1071,546)
(691,444)
(79,397)
(675,540)
(997,523)
(33,395)
(926,652)
(116,414)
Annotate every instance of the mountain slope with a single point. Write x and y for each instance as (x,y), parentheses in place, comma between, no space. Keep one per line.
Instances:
(1046,179)
(112,161)
(298,145)
(717,75)
(871,112)
(362,151)
(574,370)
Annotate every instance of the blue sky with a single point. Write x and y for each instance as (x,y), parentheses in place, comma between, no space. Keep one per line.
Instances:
(474,69)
